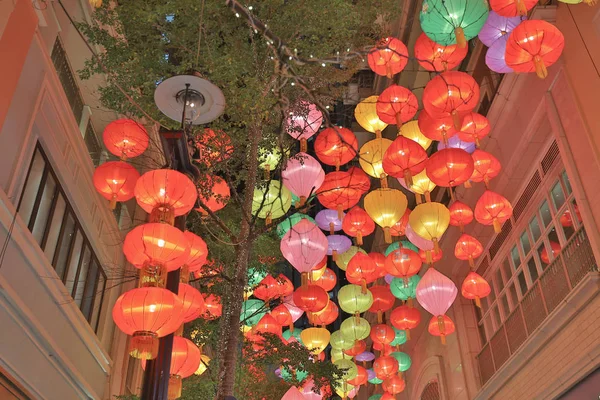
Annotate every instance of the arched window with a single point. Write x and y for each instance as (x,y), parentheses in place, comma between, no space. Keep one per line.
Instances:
(431,391)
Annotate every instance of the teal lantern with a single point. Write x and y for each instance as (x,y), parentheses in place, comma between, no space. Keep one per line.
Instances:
(448,22)
(284,226)
(375,381)
(252,311)
(404,361)
(375,397)
(287,335)
(400,337)
(403,290)
(403,243)
(255,275)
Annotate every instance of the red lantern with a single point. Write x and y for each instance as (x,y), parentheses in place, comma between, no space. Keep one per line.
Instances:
(449,167)
(311,298)
(512,8)
(218,194)
(534,45)
(388,58)
(115,181)
(282,315)
(405,318)
(125,138)
(434,256)
(385,367)
(474,128)
(399,227)
(284,285)
(357,348)
(436,128)
(336,146)
(435,57)
(486,167)
(441,326)
(214,147)
(474,287)
(387,396)
(383,300)
(336,193)
(460,214)
(382,334)
(361,377)
(492,209)
(359,180)
(267,324)
(327,281)
(198,252)
(193,302)
(326,316)
(394,385)
(147,313)
(451,94)
(404,158)
(467,249)
(379,259)
(268,289)
(358,224)
(397,105)
(165,194)
(403,263)
(214,308)
(361,270)
(555,250)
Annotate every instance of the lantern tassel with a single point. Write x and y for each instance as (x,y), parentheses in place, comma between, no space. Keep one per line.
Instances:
(363,285)
(521,8)
(340,211)
(304,279)
(408,178)
(418,198)
(359,238)
(331,228)
(590,2)
(468,184)
(461,40)
(334,255)
(291,327)
(456,120)
(388,71)
(477,301)
(267,172)
(409,302)
(461,227)
(379,317)
(428,257)
(399,122)
(428,197)
(497,227)
(357,318)
(301,202)
(441,325)
(407,334)
(451,193)
(443,338)
(268,220)
(174,390)
(471,262)
(383,181)
(387,235)
(144,345)
(113,202)
(540,67)
(477,141)
(303,145)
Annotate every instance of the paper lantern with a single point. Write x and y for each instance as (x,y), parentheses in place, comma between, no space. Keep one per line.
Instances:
(397,105)
(534,45)
(380,262)
(474,287)
(453,21)
(282,315)
(430,221)
(357,348)
(460,214)
(268,289)
(359,180)
(405,289)
(449,167)
(304,246)
(193,302)
(293,394)
(495,58)
(497,26)
(455,143)
(383,300)
(434,256)
(366,115)
(198,252)
(467,249)
(394,385)
(358,224)
(327,281)
(252,312)
(371,158)
(218,194)
(382,334)
(422,185)
(361,377)
(352,300)
(364,357)
(271,201)
(361,270)
(404,158)
(512,8)
(555,251)
(115,181)
(340,342)
(336,146)
(385,207)
(441,326)
(403,263)
(400,337)
(284,226)
(337,244)
(399,227)
(405,318)
(385,367)
(311,298)
(401,244)
(336,192)
(326,316)
(485,167)
(147,313)
(315,339)
(492,209)
(290,336)
(214,147)
(474,128)
(451,94)
(304,122)
(355,328)
(439,128)
(388,58)
(387,396)
(302,175)
(269,159)
(437,58)
(411,130)
(267,324)
(328,220)
(155,247)
(344,258)
(125,138)
(349,368)
(214,308)
(420,242)
(436,292)
(165,194)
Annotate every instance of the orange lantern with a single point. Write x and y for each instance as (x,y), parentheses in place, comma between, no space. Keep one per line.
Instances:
(284,286)
(449,167)
(361,270)
(198,252)
(534,45)
(492,209)
(359,180)
(267,324)
(467,249)
(434,256)
(474,287)
(460,214)
(282,315)
(326,316)
(268,289)
(214,308)
(193,302)
(214,147)
(394,385)
(555,250)
(387,396)
(400,227)
(382,334)
(327,281)
(361,377)
(115,181)
(336,146)
(512,8)
(310,298)
(383,300)
(147,313)
(165,194)
(388,58)
(436,128)
(404,158)
(379,259)
(435,57)
(385,367)
(358,224)
(405,318)
(125,138)
(218,197)
(357,348)
(403,263)
(485,167)
(474,128)
(451,94)
(336,192)
(441,326)
(397,105)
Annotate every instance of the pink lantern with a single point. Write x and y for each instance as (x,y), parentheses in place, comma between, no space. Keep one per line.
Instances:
(304,122)
(423,244)
(303,175)
(293,394)
(436,293)
(307,391)
(295,312)
(304,246)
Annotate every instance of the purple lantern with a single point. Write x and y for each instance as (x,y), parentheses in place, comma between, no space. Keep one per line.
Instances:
(494,57)
(278,372)
(388,278)
(337,244)
(497,26)
(455,143)
(371,374)
(328,220)
(365,356)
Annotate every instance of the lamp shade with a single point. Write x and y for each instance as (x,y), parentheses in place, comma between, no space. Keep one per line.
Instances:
(315,339)
(495,58)
(311,298)
(405,289)
(411,130)
(193,302)
(404,158)
(352,300)
(328,220)
(271,201)
(460,214)
(436,292)
(355,328)
(474,287)
(388,58)
(394,385)
(468,248)
(371,156)
(337,244)
(115,181)
(430,221)
(302,175)
(403,263)
(439,128)
(485,166)
(385,367)
(304,246)
(198,251)
(441,326)
(361,270)
(338,193)
(405,318)
(435,57)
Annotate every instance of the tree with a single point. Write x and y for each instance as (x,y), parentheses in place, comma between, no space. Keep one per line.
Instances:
(274,54)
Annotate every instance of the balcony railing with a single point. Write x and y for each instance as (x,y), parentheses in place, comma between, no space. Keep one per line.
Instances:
(566,271)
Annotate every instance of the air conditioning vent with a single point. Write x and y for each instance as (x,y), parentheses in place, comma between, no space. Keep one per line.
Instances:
(500,238)
(527,194)
(550,157)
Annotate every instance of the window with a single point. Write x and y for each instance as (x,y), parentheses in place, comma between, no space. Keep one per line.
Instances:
(53,224)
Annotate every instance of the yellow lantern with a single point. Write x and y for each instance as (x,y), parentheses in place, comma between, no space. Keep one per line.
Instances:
(422,185)
(366,116)
(355,328)
(410,130)
(344,258)
(204,361)
(269,159)
(350,370)
(344,388)
(386,207)
(316,274)
(270,201)
(430,221)
(340,342)
(352,300)
(338,354)
(315,339)
(371,158)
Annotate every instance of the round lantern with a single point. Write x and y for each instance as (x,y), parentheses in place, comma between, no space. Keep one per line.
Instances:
(125,138)
(405,318)
(217,194)
(336,146)
(147,313)
(455,143)
(358,224)
(284,226)
(328,220)
(352,300)
(359,347)
(460,214)
(404,158)
(386,207)
(400,337)
(430,221)
(497,26)
(115,181)
(382,334)
(400,227)
(268,289)
(315,339)
(474,287)
(340,342)
(555,250)
(327,281)
(214,308)
(361,270)
(474,128)
(326,316)
(512,8)
(486,167)
(366,115)
(453,21)
(336,192)
(450,167)
(534,45)
(385,367)
(302,175)
(492,209)
(394,385)
(349,368)
(269,159)
(495,58)
(361,377)
(304,122)
(441,326)
(403,263)
(198,252)
(437,58)
(420,242)
(252,311)
(405,289)
(214,147)
(311,298)
(318,271)
(359,180)
(439,128)
(451,94)
(344,258)
(304,246)
(467,249)
(371,158)
(401,244)
(282,315)
(434,256)
(411,130)
(267,324)
(397,105)
(383,300)
(388,58)
(337,244)
(193,302)
(355,328)
(292,336)
(422,185)
(271,201)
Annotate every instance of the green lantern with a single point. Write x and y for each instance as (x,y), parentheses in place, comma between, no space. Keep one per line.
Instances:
(340,342)
(344,258)
(453,21)
(400,337)
(375,397)
(255,275)
(403,291)
(271,201)
(284,226)
(338,354)
(349,369)
(269,159)
(355,328)
(252,311)
(287,335)
(352,300)
(404,361)
(375,380)
(287,375)
(403,243)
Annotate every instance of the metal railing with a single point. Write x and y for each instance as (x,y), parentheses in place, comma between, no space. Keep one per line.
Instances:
(566,271)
